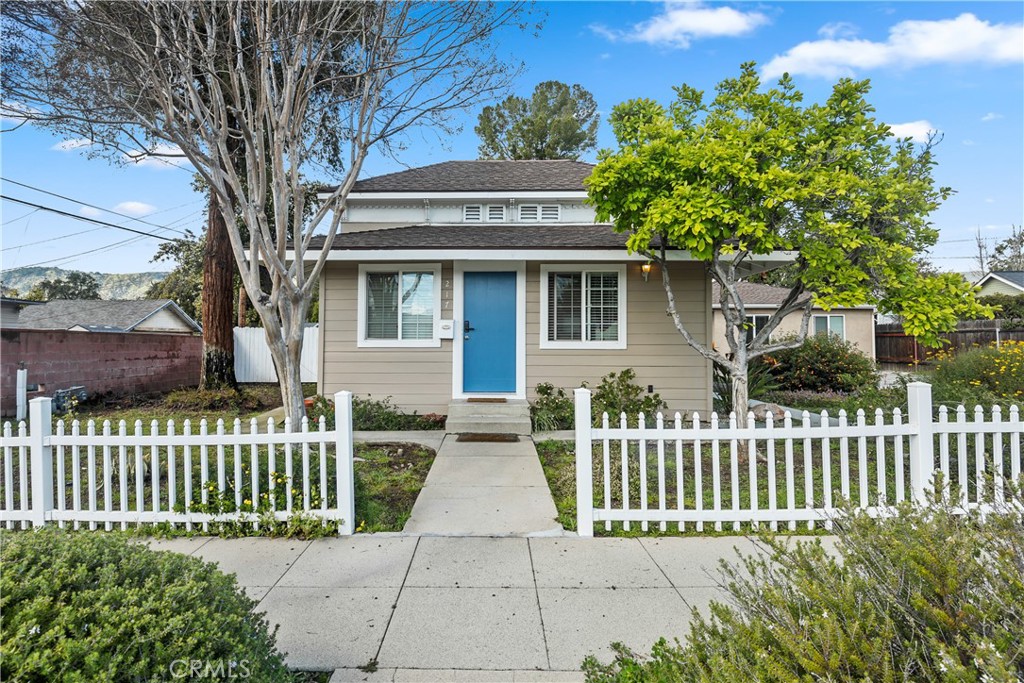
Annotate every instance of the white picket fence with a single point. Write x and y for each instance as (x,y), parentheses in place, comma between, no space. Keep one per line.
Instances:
(109,475)
(253,362)
(685,472)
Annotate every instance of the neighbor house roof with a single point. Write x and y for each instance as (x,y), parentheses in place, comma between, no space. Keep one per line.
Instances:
(493,236)
(483,176)
(756,295)
(1014,278)
(98,315)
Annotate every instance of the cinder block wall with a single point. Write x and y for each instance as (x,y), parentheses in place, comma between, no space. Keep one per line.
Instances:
(120,363)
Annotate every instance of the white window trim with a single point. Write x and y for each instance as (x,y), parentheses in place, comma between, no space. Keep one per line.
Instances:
(545,270)
(828,324)
(766,316)
(364,269)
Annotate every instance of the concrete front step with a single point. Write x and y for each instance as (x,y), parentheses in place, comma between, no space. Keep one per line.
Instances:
(469,417)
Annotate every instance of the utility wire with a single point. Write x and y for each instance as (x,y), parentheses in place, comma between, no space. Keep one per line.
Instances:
(91,220)
(92,206)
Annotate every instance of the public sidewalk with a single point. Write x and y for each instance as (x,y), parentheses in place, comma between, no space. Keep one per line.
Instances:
(468,609)
(485,489)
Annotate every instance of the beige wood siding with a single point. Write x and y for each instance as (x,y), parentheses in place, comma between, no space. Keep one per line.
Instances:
(417,379)
(420,379)
(860,326)
(164,320)
(655,349)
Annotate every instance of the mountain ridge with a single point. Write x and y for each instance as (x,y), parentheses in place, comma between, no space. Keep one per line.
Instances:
(112,285)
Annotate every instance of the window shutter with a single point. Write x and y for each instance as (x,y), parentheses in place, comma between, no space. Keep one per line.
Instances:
(496,213)
(550,213)
(528,212)
(472,213)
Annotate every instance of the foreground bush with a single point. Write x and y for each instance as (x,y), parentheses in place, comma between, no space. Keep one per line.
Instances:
(94,606)
(823,362)
(927,596)
(617,393)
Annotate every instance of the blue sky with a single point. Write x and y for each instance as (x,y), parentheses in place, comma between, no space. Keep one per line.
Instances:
(949,66)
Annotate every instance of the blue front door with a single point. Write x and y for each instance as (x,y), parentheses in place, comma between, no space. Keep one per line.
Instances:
(489,333)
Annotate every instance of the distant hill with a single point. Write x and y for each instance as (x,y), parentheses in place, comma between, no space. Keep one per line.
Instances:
(112,285)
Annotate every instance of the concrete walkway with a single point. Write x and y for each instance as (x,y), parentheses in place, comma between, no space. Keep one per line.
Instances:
(485,489)
(468,609)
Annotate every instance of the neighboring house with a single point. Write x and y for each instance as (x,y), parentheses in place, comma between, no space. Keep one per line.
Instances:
(94,315)
(481,279)
(107,347)
(1002,282)
(856,324)
(10,311)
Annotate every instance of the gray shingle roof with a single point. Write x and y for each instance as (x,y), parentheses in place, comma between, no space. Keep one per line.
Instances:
(1014,276)
(63,314)
(493,236)
(753,294)
(483,176)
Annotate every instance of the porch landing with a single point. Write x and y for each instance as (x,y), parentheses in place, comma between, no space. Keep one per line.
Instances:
(485,489)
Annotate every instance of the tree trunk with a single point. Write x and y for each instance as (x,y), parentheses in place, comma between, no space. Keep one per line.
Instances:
(740,398)
(242,307)
(286,353)
(218,316)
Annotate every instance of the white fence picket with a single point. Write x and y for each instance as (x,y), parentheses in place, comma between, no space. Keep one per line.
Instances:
(904,463)
(103,490)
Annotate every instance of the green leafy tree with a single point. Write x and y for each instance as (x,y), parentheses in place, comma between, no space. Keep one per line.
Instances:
(1009,254)
(557,122)
(77,285)
(755,172)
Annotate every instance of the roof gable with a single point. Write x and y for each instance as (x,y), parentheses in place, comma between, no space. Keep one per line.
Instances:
(483,176)
(1014,278)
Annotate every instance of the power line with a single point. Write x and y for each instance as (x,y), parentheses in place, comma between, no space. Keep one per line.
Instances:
(92,206)
(58,237)
(91,220)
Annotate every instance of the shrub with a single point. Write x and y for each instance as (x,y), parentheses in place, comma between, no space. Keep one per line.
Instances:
(373,415)
(930,595)
(215,400)
(91,606)
(822,363)
(553,409)
(619,393)
(760,383)
(981,376)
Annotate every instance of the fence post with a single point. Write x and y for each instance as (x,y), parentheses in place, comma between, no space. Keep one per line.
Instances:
(343,452)
(41,458)
(584,465)
(922,447)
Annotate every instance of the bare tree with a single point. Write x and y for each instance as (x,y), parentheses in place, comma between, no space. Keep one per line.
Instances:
(160,75)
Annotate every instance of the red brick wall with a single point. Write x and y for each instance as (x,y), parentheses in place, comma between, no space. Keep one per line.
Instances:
(101,362)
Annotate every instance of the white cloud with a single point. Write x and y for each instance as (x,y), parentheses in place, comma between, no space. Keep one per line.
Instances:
(838,29)
(13,113)
(680,23)
(963,40)
(90,212)
(989,200)
(968,143)
(161,156)
(917,131)
(136,209)
(71,145)
(991,116)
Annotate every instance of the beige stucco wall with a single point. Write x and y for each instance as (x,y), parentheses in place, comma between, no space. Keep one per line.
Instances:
(860,326)
(420,379)
(994,286)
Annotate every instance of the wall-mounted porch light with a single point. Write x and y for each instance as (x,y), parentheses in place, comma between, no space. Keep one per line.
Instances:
(646,270)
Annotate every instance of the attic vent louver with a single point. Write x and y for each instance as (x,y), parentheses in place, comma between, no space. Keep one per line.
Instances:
(472,213)
(496,213)
(528,212)
(549,213)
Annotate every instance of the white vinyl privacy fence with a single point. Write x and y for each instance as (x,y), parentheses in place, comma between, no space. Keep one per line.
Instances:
(184,475)
(253,362)
(697,476)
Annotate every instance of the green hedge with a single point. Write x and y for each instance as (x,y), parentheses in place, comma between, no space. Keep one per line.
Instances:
(81,606)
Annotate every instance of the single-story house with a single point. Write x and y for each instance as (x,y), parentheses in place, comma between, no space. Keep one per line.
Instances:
(477,280)
(161,316)
(854,324)
(1002,282)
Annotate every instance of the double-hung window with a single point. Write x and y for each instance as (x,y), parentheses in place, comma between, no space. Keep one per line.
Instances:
(830,324)
(583,307)
(754,324)
(399,305)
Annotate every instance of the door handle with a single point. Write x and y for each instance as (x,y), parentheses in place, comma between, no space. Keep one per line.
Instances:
(466,327)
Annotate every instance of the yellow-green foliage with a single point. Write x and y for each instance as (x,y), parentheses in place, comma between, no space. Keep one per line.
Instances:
(998,371)
(927,596)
